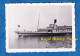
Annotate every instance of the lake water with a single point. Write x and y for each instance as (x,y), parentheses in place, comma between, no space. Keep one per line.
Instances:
(35,42)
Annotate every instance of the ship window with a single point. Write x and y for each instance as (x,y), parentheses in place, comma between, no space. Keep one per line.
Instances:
(49,30)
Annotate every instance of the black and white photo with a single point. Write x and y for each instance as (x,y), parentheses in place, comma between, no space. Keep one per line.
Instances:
(40,27)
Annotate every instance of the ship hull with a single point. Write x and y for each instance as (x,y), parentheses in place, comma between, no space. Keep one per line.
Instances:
(24,34)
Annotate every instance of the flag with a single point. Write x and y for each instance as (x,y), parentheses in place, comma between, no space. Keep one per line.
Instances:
(18,25)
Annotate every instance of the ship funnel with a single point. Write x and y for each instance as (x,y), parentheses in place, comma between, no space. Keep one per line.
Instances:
(55,20)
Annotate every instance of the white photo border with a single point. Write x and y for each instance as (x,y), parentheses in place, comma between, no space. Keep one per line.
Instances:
(43,49)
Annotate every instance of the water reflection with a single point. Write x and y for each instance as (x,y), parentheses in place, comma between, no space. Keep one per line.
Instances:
(36,42)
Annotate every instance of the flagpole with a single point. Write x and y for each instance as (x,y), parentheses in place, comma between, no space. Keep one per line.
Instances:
(38,22)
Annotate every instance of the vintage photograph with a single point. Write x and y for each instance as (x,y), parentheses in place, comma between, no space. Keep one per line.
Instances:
(40,27)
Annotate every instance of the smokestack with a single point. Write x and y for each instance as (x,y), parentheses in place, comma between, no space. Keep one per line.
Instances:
(55,20)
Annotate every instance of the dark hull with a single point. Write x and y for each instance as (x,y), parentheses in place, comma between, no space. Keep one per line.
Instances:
(43,34)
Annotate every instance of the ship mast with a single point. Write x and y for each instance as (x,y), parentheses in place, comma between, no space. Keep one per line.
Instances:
(38,22)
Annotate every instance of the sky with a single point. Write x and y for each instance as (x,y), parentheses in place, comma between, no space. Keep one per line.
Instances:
(26,15)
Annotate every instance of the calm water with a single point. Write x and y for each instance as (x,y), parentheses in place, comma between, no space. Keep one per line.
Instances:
(36,42)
